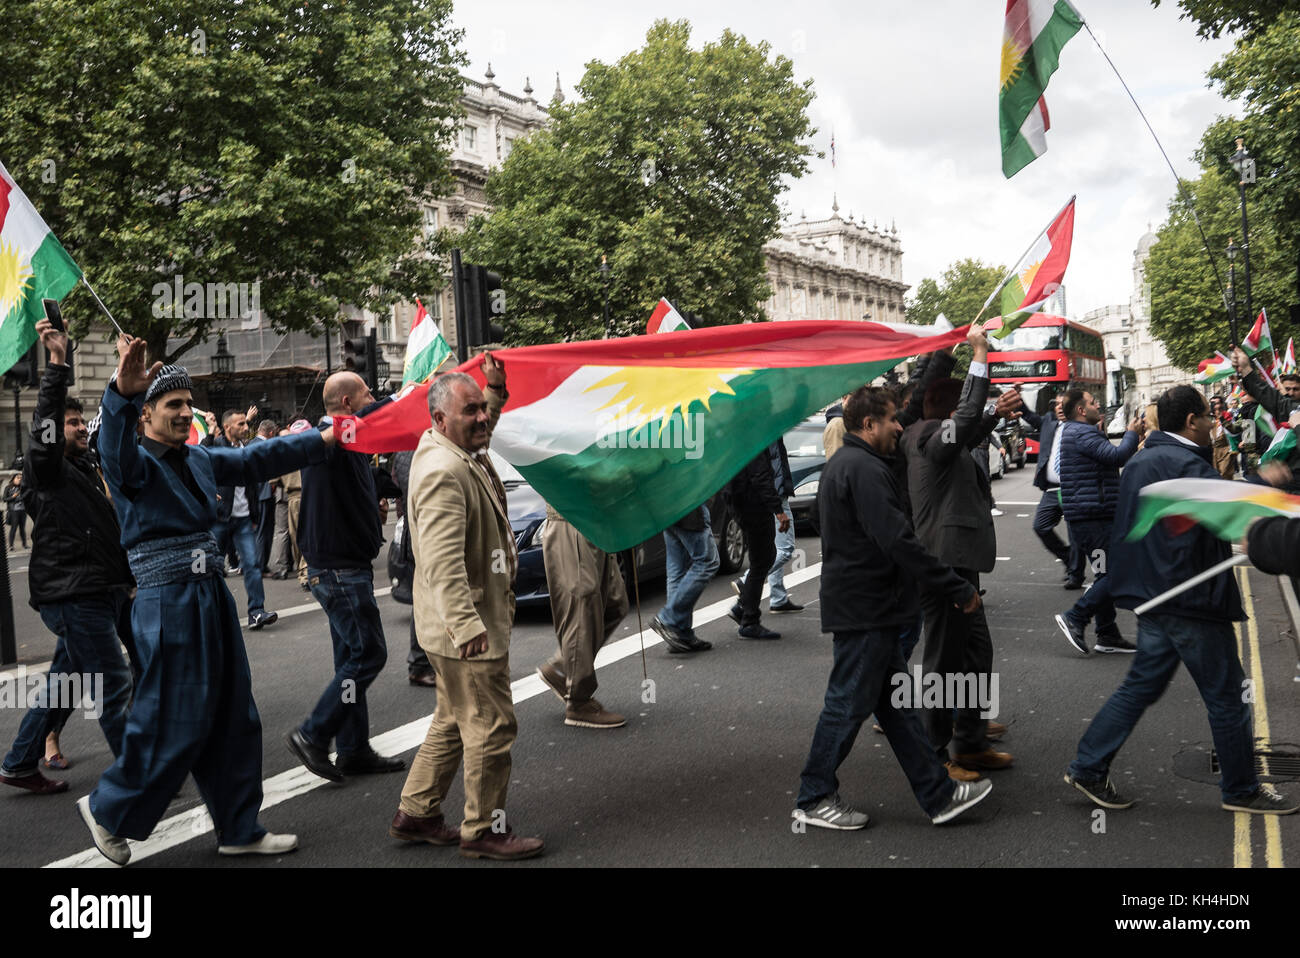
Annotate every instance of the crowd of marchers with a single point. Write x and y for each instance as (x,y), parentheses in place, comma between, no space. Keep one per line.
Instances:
(132,525)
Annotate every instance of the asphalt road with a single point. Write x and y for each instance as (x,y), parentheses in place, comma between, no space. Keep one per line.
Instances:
(706,771)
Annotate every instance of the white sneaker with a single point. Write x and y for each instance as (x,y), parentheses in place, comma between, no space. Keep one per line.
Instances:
(110,846)
(268,844)
(995,511)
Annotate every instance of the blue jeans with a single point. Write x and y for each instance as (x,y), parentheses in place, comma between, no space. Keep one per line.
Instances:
(1209,650)
(860,684)
(692,560)
(1092,539)
(250,559)
(784,552)
(360,651)
(89,644)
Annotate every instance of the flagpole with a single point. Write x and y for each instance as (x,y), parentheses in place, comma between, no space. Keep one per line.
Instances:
(101,304)
(1182,190)
(1006,279)
(1210,573)
(1260,366)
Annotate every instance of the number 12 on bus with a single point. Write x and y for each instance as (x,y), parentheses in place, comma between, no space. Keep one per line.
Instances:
(1045,357)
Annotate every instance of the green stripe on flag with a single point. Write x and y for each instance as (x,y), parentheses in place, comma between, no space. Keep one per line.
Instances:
(53,276)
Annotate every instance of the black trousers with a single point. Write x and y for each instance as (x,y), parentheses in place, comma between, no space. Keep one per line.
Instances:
(265,530)
(956,644)
(760,540)
(417,660)
(1046,519)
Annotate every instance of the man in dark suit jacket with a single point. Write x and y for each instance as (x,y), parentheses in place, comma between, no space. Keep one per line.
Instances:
(1049,513)
(951,509)
(266,429)
(237,517)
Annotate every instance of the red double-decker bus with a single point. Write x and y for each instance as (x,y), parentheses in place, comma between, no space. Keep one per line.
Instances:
(1047,355)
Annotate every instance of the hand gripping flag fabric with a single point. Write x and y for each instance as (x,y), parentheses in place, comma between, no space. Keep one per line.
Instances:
(1033,35)
(1038,275)
(33,266)
(1220,505)
(625,436)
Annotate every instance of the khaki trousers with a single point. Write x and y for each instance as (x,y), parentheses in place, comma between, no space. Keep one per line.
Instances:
(297,562)
(474,719)
(588,601)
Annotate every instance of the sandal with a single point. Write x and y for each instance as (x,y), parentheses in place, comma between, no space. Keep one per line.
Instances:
(56,762)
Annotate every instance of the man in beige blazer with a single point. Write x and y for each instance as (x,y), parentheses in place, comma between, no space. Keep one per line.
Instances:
(464,606)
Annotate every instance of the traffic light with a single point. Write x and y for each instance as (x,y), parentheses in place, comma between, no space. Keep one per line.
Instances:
(486,306)
(23,372)
(361,356)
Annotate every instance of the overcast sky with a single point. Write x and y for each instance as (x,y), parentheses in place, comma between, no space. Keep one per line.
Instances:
(910,89)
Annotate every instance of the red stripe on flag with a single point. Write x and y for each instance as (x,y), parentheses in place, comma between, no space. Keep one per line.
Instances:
(1061,235)
(4,200)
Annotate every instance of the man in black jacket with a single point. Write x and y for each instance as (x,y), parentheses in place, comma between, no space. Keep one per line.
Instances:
(872,569)
(238,515)
(753,493)
(340,534)
(1194,628)
(951,510)
(80,582)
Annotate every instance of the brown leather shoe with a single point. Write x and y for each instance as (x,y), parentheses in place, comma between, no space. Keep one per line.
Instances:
(988,759)
(556,682)
(507,847)
(36,782)
(428,679)
(591,714)
(995,731)
(959,774)
(433,830)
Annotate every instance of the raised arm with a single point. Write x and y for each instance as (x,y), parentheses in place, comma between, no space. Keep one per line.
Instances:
(262,461)
(45,452)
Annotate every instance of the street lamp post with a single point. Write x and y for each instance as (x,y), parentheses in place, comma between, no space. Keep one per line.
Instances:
(1244,164)
(604,276)
(1233,250)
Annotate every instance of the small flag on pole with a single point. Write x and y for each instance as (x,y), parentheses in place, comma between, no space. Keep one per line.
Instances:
(1033,35)
(1213,369)
(426,349)
(1288,358)
(1258,339)
(1281,447)
(1038,275)
(665,319)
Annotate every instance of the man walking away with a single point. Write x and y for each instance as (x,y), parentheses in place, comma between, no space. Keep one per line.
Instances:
(1047,478)
(1194,628)
(1089,468)
(754,496)
(872,568)
(779,600)
(691,559)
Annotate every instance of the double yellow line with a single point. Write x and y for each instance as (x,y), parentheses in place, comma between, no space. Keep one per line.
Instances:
(1242,846)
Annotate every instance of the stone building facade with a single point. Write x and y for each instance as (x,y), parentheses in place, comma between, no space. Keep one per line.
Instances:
(835,268)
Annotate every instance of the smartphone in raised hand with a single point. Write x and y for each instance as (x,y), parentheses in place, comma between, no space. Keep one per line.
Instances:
(54,314)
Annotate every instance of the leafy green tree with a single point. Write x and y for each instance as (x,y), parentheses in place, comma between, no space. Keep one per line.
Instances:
(958,294)
(670,164)
(280,142)
(1217,17)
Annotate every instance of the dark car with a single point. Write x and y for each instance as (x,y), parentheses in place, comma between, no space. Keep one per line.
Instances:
(807,455)
(527,512)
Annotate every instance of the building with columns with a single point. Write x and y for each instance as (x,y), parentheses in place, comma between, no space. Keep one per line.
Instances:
(835,268)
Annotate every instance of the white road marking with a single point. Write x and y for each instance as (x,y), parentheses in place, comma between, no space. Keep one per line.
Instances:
(194,822)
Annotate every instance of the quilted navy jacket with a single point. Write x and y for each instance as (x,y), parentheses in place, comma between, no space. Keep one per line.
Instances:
(1090,471)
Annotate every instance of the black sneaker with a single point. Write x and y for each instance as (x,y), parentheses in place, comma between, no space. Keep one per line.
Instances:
(1114,645)
(737,585)
(1073,632)
(736,614)
(1102,793)
(1073,585)
(1265,801)
(696,643)
(259,619)
(964,795)
(758,631)
(786,606)
(674,639)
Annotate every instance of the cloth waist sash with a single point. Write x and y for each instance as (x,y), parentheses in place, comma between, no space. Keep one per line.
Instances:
(175,559)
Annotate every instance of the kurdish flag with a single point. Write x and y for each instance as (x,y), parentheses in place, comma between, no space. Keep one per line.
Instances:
(33,266)
(625,436)
(1281,447)
(1258,339)
(198,428)
(1264,421)
(1288,358)
(1213,369)
(665,319)
(1038,275)
(1032,38)
(1222,506)
(426,349)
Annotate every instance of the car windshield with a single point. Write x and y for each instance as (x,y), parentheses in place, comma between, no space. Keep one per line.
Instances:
(508,473)
(805,439)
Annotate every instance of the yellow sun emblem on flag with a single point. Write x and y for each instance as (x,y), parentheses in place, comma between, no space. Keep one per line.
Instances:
(656,392)
(1013,62)
(15,277)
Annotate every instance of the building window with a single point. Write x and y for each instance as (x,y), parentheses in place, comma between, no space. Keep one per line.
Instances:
(507,145)
(430,220)
(385,328)
(469,138)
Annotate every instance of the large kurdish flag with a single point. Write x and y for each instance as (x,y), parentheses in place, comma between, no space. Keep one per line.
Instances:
(1222,506)
(33,266)
(626,436)
(1032,38)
